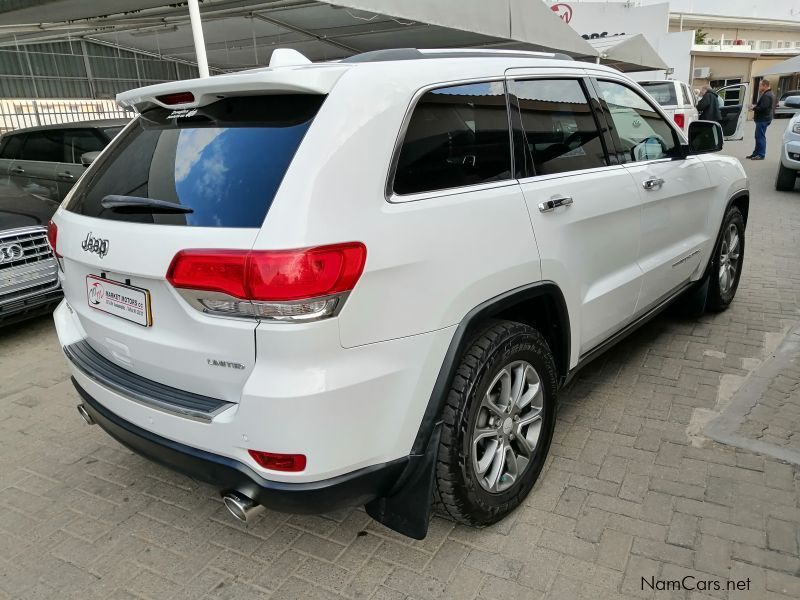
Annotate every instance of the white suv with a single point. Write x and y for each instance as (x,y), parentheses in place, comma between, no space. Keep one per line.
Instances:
(675,98)
(364,282)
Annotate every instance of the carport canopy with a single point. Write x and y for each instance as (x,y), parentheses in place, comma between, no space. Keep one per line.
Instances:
(786,67)
(241,34)
(631,52)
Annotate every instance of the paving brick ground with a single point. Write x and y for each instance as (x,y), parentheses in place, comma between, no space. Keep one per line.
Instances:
(634,489)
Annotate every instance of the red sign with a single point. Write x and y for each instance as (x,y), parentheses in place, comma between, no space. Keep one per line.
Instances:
(564,11)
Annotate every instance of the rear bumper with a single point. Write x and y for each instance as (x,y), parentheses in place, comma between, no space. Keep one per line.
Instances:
(351,489)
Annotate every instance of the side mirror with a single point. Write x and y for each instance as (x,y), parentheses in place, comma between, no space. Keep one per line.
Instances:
(792,102)
(704,137)
(87,158)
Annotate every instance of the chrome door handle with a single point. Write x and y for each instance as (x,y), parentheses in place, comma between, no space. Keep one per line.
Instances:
(653,183)
(555,202)
(17,170)
(65,175)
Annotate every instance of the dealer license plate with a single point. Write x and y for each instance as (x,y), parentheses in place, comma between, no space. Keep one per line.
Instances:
(124,301)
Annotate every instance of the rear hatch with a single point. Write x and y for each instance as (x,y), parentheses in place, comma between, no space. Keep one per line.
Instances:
(213,172)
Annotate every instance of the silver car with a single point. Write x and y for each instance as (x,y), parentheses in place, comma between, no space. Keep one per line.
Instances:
(789,166)
(781,110)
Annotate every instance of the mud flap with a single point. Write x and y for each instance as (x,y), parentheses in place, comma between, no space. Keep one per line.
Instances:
(407,508)
(693,304)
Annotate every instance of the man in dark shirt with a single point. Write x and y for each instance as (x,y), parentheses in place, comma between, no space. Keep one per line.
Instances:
(708,106)
(762,115)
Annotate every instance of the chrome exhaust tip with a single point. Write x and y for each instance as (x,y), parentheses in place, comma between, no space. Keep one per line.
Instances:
(240,506)
(85,414)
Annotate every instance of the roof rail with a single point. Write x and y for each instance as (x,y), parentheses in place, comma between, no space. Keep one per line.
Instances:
(416,54)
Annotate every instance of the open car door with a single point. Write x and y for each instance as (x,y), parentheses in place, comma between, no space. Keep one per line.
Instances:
(734,110)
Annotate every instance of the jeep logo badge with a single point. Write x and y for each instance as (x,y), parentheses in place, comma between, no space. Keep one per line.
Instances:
(95,245)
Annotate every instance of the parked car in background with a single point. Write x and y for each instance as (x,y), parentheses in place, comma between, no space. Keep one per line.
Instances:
(789,166)
(675,98)
(38,166)
(781,110)
(46,161)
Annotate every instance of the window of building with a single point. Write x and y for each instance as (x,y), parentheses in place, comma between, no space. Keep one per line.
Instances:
(457,136)
(780,44)
(765,45)
(640,132)
(561,133)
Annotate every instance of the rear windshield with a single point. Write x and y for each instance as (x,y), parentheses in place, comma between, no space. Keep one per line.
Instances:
(785,95)
(662,92)
(223,162)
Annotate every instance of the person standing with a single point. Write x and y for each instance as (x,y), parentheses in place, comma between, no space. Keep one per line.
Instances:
(762,115)
(708,106)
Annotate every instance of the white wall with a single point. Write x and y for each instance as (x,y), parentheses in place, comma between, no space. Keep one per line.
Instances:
(758,9)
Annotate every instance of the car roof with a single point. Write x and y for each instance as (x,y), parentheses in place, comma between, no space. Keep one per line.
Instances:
(97,124)
(406,66)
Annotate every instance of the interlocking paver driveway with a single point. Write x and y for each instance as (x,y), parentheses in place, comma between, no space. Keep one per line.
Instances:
(633,488)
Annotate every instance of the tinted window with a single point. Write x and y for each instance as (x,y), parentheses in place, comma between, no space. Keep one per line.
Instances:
(225,161)
(457,136)
(112,132)
(78,141)
(662,92)
(686,96)
(784,96)
(11,146)
(560,129)
(44,145)
(639,131)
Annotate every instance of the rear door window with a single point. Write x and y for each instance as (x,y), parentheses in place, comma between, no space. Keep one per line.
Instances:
(457,136)
(560,128)
(686,96)
(224,162)
(11,147)
(46,146)
(78,141)
(662,92)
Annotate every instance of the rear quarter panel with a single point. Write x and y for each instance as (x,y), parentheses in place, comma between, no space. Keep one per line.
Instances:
(429,261)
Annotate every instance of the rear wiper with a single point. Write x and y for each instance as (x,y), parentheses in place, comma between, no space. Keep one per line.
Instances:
(137,204)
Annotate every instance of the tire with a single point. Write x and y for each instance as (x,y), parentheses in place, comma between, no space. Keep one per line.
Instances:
(502,353)
(784,181)
(723,284)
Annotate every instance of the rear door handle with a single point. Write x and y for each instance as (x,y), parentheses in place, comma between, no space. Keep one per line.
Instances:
(555,202)
(654,183)
(17,170)
(65,175)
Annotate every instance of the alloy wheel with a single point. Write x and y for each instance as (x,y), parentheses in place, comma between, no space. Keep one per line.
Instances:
(729,258)
(507,427)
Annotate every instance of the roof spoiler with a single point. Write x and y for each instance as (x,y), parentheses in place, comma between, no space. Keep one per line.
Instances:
(292,77)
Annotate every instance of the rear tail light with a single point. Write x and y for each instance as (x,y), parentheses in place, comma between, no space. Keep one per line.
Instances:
(279,462)
(52,238)
(284,285)
(680,120)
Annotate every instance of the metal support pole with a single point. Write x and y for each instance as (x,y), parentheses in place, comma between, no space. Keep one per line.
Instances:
(197,34)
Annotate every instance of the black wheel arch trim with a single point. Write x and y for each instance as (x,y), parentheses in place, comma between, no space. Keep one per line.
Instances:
(462,337)
(745,193)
